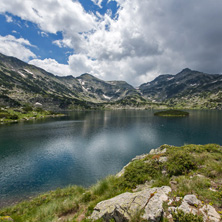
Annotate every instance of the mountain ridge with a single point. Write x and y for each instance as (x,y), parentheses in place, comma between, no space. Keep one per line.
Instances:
(22,83)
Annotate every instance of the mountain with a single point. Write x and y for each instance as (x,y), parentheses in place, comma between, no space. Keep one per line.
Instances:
(22,83)
(185,82)
(101,90)
(188,87)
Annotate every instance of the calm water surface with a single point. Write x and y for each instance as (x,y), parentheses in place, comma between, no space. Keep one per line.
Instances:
(86,146)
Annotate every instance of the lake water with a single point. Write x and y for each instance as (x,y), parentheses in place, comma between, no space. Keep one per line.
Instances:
(84,147)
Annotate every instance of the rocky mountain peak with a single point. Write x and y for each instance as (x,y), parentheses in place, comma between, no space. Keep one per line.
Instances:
(86,76)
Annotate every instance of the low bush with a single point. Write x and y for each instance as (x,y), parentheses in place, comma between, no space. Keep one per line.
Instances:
(13,117)
(180,162)
(180,216)
(27,108)
(4,115)
(138,172)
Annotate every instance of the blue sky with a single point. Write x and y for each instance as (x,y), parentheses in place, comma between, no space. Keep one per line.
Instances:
(44,40)
(129,40)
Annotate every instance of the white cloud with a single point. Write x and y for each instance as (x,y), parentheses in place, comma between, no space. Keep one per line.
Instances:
(97,2)
(8,18)
(154,37)
(63,43)
(52,66)
(146,39)
(16,47)
(52,16)
(79,64)
(43,34)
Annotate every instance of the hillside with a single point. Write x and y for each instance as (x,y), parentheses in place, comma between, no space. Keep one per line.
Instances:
(21,83)
(98,90)
(168,184)
(188,88)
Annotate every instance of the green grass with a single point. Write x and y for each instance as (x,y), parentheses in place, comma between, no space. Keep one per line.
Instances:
(26,113)
(180,216)
(180,162)
(190,166)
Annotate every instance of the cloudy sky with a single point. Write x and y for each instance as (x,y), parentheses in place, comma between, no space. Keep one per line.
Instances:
(132,40)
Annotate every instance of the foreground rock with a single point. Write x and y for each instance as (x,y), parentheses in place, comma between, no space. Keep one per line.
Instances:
(124,206)
(209,213)
(148,204)
(191,204)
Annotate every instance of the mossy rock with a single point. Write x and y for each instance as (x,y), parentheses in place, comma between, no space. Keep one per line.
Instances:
(172,113)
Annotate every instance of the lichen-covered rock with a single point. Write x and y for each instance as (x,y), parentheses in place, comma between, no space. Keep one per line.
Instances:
(210,213)
(139,157)
(187,208)
(154,208)
(192,200)
(158,150)
(163,159)
(191,204)
(124,206)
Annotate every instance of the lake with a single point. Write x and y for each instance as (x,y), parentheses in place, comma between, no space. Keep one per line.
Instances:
(84,147)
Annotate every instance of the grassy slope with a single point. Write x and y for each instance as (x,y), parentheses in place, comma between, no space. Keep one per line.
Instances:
(195,169)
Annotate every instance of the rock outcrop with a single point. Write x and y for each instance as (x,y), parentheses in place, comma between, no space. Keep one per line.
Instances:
(191,204)
(148,204)
(209,213)
(124,206)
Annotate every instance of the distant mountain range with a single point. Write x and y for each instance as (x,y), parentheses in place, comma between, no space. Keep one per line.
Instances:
(21,83)
(186,82)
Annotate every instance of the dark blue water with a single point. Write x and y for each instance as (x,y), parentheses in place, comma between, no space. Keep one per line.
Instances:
(86,146)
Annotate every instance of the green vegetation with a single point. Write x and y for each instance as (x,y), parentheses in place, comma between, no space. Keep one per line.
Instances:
(68,203)
(180,162)
(27,112)
(190,169)
(138,172)
(172,113)
(180,216)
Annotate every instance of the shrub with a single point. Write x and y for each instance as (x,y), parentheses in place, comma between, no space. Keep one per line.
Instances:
(180,162)
(27,108)
(87,197)
(138,172)
(4,115)
(180,216)
(13,117)
(39,109)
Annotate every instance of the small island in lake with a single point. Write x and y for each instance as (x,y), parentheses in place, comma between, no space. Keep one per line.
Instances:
(172,113)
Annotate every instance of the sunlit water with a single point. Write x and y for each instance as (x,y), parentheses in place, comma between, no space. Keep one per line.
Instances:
(87,146)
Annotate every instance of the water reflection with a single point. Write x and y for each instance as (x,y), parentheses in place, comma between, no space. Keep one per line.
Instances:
(86,146)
